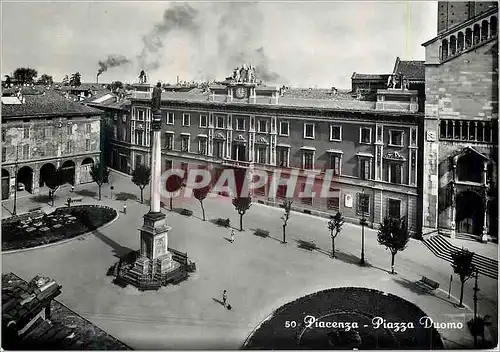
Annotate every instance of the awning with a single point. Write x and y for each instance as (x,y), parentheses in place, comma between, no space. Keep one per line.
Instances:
(335,151)
(308,148)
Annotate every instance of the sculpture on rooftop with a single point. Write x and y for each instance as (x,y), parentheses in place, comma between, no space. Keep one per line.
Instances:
(244,74)
(142,77)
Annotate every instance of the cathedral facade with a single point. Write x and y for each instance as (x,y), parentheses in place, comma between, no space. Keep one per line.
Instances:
(460,146)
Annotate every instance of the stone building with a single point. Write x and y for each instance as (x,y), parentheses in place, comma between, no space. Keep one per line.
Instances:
(461,115)
(44,131)
(371,147)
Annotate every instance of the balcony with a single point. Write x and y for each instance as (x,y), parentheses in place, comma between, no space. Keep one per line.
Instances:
(236,163)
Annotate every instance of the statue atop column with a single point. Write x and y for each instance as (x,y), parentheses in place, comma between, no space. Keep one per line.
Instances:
(236,74)
(156,99)
(142,77)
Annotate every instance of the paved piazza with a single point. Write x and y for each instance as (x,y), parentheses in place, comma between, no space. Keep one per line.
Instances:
(260,274)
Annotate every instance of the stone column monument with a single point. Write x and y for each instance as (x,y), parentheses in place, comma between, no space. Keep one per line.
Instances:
(155,260)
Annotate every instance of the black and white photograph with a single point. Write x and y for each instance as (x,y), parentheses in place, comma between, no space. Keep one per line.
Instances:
(249,175)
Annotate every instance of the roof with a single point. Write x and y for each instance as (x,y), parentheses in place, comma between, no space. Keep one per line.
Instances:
(49,103)
(370,76)
(412,70)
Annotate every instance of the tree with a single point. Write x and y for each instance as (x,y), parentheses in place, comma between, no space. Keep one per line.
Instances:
(335,226)
(174,183)
(116,85)
(394,235)
(242,204)
(287,206)
(75,79)
(65,81)
(25,74)
(46,80)
(463,267)
(54,181)
(200,194)
(100,175)
(7,81)
(477,326)
(141,177)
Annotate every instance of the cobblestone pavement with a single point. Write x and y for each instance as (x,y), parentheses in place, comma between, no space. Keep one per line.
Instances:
(260,274)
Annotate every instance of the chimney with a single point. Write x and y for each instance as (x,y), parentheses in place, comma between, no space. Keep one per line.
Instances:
(97,78)
(177,79)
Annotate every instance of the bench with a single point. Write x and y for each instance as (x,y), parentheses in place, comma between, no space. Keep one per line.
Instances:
(179,257)
(429,283)
(309,245)
(186,212)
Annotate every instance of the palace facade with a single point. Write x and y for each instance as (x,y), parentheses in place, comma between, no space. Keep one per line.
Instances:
(371,147)
(42,131)
(460,177)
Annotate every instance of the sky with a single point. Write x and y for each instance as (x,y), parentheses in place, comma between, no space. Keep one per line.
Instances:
(300,44)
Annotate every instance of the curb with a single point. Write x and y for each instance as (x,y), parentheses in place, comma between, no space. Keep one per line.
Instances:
(15,251)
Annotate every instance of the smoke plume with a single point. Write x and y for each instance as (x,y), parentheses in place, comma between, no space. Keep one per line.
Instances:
(112,61)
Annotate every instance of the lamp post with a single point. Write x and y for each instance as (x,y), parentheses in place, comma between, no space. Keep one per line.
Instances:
(16,165)
(363,223)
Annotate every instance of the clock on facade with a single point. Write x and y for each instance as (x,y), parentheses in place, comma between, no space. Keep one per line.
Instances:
(240,92)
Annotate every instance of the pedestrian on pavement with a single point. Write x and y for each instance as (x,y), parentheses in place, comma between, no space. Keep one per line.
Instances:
(124,208)
(224,298)
(232,235)
(72,188)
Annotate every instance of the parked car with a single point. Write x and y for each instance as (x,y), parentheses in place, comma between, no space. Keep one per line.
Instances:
(21,187)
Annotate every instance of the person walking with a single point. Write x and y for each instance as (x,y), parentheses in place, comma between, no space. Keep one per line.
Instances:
(224,298)
(232,235)
(124,208)
(72,188)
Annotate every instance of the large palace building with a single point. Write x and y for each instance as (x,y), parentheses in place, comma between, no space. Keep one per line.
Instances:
(461,114)
(42,131)
(371,147)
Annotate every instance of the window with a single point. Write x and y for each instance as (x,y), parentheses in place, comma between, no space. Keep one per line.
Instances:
(139,137)
(69,129)
(87,128)
(282,156)
(262,125)
(240,124)
(48,131)
(395,173)
(364,169)
(87,144)
(203,121)
(305,200)
(4,154)
(3,135)
(309,130)
(184,167)
(169,118)
(186,120)
(281,191)
(396,138)
(168,164)
(69,147)
(185,143)
(169,141)
(26,132)
(308,160)
(124,133)
(138,160)
(261,155)
(140,115)
(335,164)
(363,204)
(365,135)
(394,209)
(115,131)
(333,203)
(202,146)
(219,122)
(284,128)
(219,149)
(336,133)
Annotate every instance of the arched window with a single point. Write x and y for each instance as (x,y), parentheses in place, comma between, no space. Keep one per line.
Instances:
(477,34)
(468,38)
(484,30)
(444,48)
(493,26)
(469,168)
(460,42)
(453,45)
